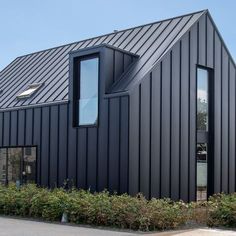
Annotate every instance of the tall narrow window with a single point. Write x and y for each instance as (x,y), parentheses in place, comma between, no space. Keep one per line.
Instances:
(202,133)
(87,100)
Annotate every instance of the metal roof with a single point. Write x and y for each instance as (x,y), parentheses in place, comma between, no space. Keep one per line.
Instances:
(51,66)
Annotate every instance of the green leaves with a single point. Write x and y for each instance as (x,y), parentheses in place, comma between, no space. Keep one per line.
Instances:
(123,211)
(222,210)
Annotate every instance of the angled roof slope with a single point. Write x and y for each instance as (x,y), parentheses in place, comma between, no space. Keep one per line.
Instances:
(51,66)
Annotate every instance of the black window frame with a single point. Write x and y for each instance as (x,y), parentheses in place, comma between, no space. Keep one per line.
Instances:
(76,89)
(207,136)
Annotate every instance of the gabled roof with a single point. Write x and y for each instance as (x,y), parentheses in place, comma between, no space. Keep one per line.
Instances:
(51,66)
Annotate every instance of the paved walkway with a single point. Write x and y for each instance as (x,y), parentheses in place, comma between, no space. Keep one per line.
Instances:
(15,227)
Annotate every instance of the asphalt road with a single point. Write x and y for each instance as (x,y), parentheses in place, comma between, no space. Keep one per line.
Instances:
(17,227)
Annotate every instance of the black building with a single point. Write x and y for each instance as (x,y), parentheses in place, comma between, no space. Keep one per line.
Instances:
(149,109)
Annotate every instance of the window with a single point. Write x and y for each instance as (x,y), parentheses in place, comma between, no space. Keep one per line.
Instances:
(30,90)
(202,99)
(87,91)
(204,144)
(201,171)
(17,165)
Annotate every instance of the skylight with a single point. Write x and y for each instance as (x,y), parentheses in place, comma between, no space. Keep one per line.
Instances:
(29,91)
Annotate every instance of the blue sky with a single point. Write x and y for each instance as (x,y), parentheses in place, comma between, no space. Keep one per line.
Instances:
(31,25)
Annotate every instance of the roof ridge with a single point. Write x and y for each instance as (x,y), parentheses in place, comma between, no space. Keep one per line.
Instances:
(102,35)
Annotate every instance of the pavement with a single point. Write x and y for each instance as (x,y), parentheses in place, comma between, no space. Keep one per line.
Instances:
(19,227)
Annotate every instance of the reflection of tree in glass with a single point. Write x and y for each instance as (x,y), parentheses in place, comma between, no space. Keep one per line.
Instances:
(201,114)
(14,162)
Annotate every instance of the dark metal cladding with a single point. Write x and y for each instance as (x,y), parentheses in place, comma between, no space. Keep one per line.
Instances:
(146,137)
(52,66)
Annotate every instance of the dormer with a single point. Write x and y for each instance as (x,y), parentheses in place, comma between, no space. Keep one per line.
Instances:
(93,71)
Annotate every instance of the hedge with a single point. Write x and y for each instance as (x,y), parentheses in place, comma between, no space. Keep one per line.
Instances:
(123,211)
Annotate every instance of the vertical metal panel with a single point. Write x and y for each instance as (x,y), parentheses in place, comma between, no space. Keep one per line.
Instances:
(165,127)
(225,120)
(145,136)
(192,112)
(1,128)
(184,153)
(103,143)
(21,128)
(118,64)
(82,158)
(37,139)
(54,149)
(127,61)
(7,121)
(202,41)
(217,115)
(92,159)
(62,162)
(175,122)
(45,145)
(13,134)
(114,144)
(155,132)
(108,70)
(134,143)
(210,44)
(231,171)
(124,144)
(29,127)
(72,149)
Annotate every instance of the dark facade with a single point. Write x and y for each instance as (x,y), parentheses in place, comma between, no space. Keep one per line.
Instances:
(146,136)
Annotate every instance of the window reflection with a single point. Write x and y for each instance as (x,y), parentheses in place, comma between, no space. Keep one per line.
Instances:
(88,91)
(3,163)
(202,99)
(18,165)
(14,165)
(201,171)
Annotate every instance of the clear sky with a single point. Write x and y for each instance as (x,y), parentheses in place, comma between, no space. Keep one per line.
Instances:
(31,25)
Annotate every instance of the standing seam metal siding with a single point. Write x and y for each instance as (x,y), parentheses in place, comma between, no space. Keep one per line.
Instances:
(163,123)
(51,66)
(75,154)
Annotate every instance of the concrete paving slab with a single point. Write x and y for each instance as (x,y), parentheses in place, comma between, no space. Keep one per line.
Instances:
(197,232)
(18,227)
(15,227)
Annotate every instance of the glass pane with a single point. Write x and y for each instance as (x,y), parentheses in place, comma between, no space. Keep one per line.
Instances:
(3,163)
(29,165)
(202,99)
(14,165)
(88,103)
(201,171)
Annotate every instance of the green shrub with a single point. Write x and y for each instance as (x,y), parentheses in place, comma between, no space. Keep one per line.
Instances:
(166,214)
(129,212)
(222,210)
(55,204)
(123,211)
(38,202)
